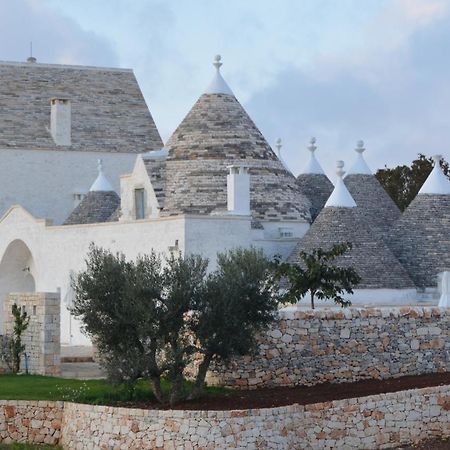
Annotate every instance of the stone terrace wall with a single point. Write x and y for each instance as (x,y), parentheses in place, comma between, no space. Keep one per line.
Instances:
(42,337)
(37,422)
(374,422)
(307,347)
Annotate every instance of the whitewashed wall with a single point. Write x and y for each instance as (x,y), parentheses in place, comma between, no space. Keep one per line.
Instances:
(58,251)
(44,182)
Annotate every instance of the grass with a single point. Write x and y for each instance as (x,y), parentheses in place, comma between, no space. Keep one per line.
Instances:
(98,392)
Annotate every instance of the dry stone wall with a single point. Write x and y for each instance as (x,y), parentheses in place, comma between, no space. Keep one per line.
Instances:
(374,422)
(307,347)
(42,337)
(36,422)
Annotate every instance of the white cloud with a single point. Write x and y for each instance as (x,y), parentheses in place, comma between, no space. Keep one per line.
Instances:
(56,38)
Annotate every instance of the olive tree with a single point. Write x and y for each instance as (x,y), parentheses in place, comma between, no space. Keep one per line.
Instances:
(150,317)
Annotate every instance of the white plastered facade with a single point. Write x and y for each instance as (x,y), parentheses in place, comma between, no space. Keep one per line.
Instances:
(47,183)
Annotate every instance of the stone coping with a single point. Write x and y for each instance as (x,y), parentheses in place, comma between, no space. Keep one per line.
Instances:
(337,313)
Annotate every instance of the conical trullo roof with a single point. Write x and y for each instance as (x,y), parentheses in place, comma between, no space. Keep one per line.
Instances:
(216,133)
(369,256)
(314,183)
(375,206)
(101,203)
(421,237)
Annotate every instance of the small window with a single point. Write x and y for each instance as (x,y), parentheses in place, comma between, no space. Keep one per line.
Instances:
(139,203)
(286,232)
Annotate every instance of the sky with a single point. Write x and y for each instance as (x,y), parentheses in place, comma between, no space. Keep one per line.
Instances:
(377,70)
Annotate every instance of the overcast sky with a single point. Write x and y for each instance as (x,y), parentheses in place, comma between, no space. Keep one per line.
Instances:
(377,70)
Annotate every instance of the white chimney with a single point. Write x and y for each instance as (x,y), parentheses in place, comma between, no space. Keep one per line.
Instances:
(60,121)
(238,190)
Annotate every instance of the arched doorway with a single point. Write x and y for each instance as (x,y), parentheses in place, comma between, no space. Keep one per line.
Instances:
(17,272)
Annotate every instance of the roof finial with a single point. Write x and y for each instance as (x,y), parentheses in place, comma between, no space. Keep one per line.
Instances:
(436,183)
(218,85)
(217,64)
(340,168)
(312,147)
(101,183)
(31,58)
(340,197)
(99,165)
(278,145)
(360,146)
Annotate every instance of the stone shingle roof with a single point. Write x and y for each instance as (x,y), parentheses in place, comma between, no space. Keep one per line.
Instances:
(421,238)
(97,206)
(156,170)
(109,113)
(317,187)
(374,206)
(370,256)
(216,133)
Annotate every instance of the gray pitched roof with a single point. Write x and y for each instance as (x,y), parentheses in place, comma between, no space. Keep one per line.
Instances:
(421,238)
(156,170)
(216,133)
(374,206)
(317,187)
(97,206)
(370,256)
(109,113)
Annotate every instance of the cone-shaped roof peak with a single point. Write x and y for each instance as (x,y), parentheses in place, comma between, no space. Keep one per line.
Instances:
(101,183)
(436,183)
(278,146)
(360,166)
(340,197)
(218,85)
(313,165)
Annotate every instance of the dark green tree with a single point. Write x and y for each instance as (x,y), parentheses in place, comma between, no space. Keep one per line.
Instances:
(150,317)
(317,275)
(403,183)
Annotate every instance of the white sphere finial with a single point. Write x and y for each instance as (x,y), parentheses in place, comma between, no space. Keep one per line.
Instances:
(360,146)
(278,145)
(99,165)
(217,64)
(340,168)
(312,147)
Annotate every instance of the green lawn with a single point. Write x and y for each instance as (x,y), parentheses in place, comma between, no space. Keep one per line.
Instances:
(34,387)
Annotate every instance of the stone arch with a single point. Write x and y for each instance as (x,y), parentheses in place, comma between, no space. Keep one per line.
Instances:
(17,272)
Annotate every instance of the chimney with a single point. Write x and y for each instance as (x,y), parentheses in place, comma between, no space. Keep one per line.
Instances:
(60,121)
(238,190)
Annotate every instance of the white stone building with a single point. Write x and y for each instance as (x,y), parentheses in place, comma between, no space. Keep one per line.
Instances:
(216,185)
(56,122)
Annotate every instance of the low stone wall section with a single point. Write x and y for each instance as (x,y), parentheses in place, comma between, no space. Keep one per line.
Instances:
(374,422)
(307,347)
(37,422)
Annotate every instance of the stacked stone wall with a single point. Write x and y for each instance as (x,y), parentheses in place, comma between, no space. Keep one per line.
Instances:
(37,422)
(307,347)
(42,337)
(374,422)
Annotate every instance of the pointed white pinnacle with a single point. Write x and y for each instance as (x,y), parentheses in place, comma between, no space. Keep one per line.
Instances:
(217,64)
(278,145)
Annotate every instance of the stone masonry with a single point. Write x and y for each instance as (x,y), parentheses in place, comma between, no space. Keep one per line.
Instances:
(373,422)
(307,347)
(42,337)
